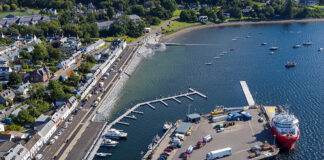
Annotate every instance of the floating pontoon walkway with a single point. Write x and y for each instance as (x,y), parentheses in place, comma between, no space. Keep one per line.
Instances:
(133,110)
(247,93)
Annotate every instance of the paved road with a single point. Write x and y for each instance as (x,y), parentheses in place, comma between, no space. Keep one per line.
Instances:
(80,148)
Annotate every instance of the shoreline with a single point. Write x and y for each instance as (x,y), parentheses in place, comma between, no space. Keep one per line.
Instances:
(171,36)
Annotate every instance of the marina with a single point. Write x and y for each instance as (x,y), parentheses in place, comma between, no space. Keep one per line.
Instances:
(108,128)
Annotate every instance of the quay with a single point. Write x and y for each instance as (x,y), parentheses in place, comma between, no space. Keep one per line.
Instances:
(242,137)
(247,93)
(98,141)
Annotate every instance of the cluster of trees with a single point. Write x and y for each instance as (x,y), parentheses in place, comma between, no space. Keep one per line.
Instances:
(42,53)
(86,67)
(124,26)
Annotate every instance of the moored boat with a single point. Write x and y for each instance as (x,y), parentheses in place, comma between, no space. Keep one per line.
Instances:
(297,46)
(109,143)
(208,63)
(290,64)
(103,154)
(320,49)
(307,43)
(115,134)
(264,43)
(274,48)
(167,126)
(285,128)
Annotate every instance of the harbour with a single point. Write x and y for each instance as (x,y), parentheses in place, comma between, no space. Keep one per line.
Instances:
(269,82)
(240,137)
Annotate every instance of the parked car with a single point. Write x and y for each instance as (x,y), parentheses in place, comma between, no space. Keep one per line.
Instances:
(70,119)
(65,125)
(59,133)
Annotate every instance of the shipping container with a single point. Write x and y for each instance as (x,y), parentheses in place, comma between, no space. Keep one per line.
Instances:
(219,153)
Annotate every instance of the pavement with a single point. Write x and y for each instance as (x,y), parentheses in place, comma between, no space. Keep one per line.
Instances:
(241,137)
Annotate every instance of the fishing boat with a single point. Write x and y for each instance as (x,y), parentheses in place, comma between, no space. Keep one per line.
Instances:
(290,64)
(217,57)
(274,48)
(297,46)
(234,39)
(307,43)
(167,126)
(109,143)
(208,63)
(232,49)
(103,154)
(264,43)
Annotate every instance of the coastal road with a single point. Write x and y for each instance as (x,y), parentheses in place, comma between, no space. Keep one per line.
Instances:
(87,115)
(89,134)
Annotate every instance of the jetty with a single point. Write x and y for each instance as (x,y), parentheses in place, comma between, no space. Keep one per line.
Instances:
(162,100)
(247,93)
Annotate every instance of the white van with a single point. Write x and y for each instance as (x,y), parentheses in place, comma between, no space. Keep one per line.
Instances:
(219,153)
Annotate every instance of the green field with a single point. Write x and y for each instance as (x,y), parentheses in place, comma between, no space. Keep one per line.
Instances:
(128,39)
(18,13)
(176,25)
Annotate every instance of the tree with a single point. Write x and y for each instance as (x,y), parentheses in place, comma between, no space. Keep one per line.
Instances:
(220,16)
(1,9)
(14,79)
(52,84)
(188,15)
(25,55)
(110,12)
(54,53)
(24,117)
(170,5)
(39,53)
(85,68)
(1,87)
(91,59)
(57,93)
(14,7)
(6,7)
(33,111)
(25,65)
(74,79)
(288,13)
(37,90)
(138,9)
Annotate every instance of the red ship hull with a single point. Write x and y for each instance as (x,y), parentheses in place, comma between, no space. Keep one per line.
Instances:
(285,141)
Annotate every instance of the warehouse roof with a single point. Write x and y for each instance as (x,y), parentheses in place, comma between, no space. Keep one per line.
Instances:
(183,128)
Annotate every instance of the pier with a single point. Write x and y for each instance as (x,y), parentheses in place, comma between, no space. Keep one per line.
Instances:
(133,110)
(247,93)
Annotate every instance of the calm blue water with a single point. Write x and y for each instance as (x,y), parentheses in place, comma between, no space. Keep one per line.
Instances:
(167,73)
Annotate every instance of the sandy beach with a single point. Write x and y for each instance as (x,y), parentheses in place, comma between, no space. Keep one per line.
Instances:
(238,23)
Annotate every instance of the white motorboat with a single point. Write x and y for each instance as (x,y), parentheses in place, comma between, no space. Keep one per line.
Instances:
(264,43)
(109,143)
(307,43)
(167,126)
(273,48)
(297,46)
(217,57)
(103,154)
(320,49)
(115,134)
(208,63)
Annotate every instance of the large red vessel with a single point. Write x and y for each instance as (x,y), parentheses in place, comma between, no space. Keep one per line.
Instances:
(285,128)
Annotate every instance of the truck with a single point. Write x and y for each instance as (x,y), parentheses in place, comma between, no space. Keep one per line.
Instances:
(207,138)
(246,116)
(234,116)
(219,153)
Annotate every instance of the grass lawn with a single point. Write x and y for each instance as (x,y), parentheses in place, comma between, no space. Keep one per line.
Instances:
(176,13)
(18,12)
(176,25)
(128,39)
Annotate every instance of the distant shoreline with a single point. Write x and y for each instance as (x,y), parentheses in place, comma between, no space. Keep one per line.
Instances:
(168,38)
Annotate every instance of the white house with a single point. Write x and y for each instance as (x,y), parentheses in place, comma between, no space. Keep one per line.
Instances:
(34,144)
(64,111)
(19,152)
(135,18)
(203,19)
(46,131)
(24,88)
(247,9)
(73,103)
(57,118)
